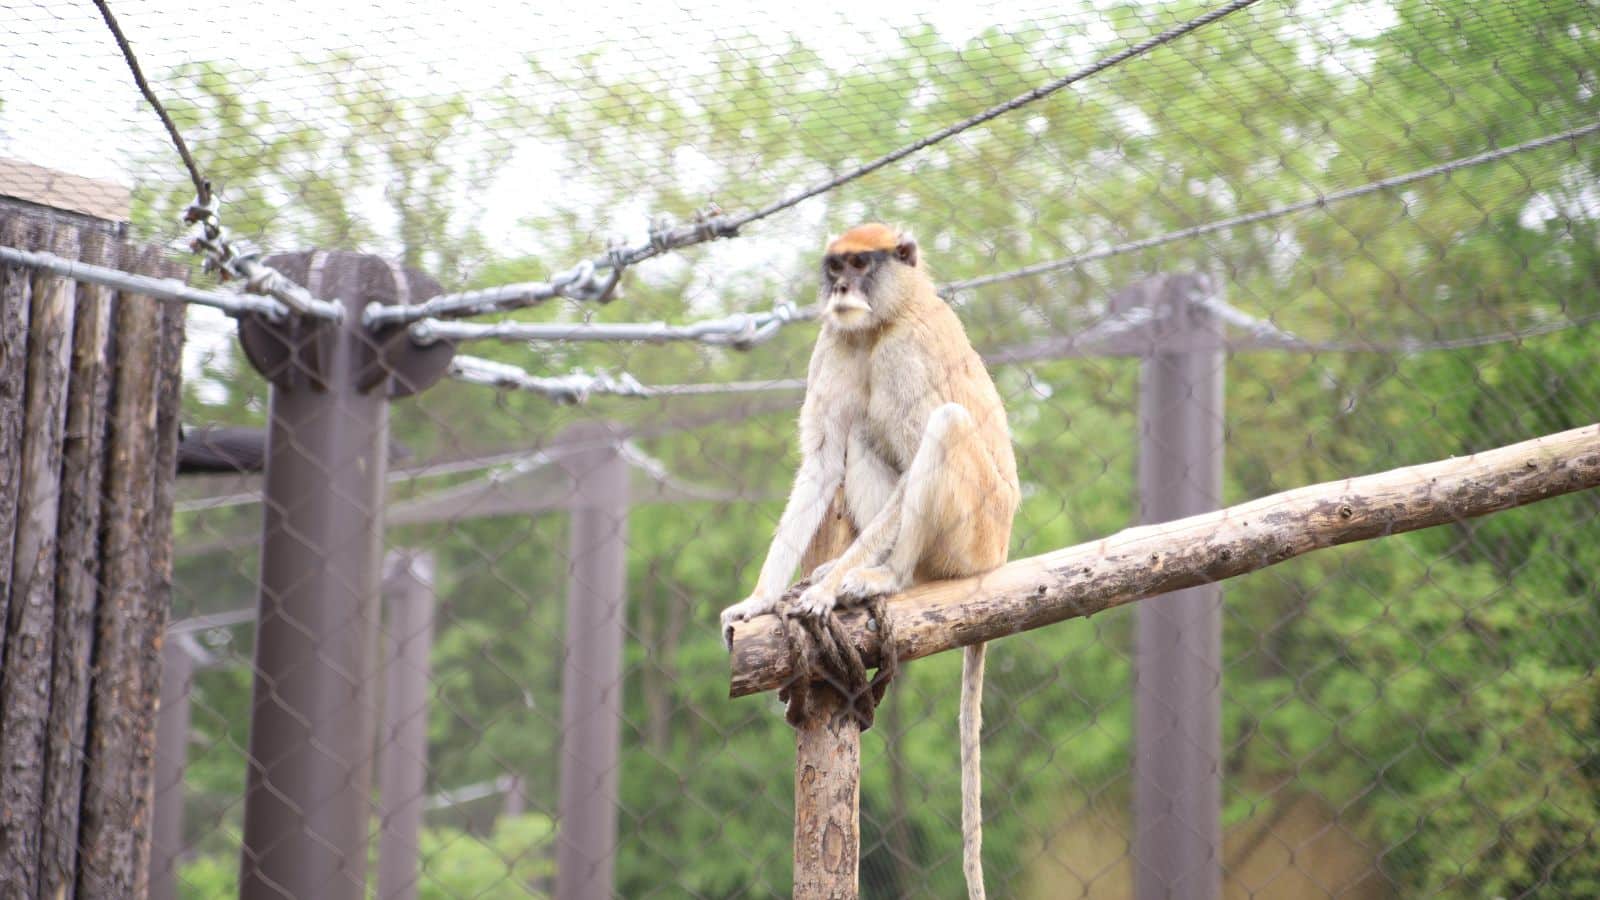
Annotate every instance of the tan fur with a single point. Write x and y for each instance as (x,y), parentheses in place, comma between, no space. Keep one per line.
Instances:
(900,409)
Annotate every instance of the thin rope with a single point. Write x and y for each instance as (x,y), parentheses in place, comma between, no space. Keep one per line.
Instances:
(992,112)
(202,187)
(583,281)
(1275,212)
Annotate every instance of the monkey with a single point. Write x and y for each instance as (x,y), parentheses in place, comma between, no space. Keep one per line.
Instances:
(900,410)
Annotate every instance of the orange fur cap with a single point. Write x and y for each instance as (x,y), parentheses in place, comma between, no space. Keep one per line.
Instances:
(866,238)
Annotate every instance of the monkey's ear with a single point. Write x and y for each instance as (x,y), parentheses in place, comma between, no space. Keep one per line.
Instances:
(906,250)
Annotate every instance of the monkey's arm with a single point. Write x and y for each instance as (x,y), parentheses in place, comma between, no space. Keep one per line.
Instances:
(813,490)
(819,477)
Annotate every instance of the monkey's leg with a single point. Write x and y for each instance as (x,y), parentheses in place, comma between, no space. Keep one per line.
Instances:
(873,542)
(946,481)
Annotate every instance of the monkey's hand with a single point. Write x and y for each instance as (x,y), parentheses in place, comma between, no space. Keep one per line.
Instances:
(817,600)
(821,572)
(745,610)
(868,582)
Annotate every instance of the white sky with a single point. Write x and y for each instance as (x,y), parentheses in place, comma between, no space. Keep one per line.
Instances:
(69,102)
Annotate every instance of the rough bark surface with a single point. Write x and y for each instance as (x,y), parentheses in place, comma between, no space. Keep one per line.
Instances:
(25,678)
(89,390)
(114,822)
(1157,559)
(827,772)
(77,574)
(16,291)
(151,613)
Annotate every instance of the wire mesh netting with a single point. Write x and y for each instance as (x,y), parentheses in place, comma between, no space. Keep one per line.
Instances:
(1392,208)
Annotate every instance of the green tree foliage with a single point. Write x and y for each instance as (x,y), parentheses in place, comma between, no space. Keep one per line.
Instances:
(1435,691)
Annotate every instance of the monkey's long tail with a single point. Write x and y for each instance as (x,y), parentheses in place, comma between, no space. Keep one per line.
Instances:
(971,769)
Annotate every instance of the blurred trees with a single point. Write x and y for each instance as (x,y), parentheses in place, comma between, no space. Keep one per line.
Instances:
(1436,691)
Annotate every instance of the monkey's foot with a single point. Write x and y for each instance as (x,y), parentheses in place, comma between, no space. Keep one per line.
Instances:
(868,582)
(743,611)
(815,601)
(821,572)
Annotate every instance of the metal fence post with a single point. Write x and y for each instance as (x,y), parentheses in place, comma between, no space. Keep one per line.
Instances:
(591,678)
(172,753)
(408,591)
(1178,661)
(313,708)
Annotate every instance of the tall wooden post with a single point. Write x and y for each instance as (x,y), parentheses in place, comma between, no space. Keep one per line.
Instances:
(591,677)
(1178,660)
(408,591)
(827,765)
(27,646)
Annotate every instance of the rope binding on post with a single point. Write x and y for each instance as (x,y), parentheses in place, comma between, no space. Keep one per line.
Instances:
(839,663)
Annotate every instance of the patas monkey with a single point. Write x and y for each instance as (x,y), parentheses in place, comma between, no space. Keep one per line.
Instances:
(900,410)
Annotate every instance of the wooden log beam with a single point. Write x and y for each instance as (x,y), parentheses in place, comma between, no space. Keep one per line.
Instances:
(1155,559)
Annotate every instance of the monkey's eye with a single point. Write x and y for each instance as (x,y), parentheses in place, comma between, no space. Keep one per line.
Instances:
(857,261)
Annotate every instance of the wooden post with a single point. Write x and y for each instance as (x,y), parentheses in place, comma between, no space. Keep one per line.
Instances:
(16,292)
(827,766)
(408,591)
(78,572)
(591,676)
(172,754)
(158,605)
(29,623)
(1177,761)
(115,818)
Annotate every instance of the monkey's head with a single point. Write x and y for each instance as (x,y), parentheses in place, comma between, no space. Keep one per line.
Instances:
(866,273)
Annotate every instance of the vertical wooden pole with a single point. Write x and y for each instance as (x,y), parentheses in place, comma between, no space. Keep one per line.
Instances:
(29,623)
(115,816)
(77,573)
(1178,658)
(591,678)
(827,769)
(16,292)
(408,591)
(172,755)
(154,612)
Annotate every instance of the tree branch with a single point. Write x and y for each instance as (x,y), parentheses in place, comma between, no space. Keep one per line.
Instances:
(1155,559)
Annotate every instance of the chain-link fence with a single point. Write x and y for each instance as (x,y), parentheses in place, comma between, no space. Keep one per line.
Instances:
(464,486)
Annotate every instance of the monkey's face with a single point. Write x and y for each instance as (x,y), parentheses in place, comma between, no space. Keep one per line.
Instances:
(851,283)
(864,276)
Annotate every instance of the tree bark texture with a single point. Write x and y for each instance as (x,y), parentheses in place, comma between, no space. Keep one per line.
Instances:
(89,387)
(16,292)
(114,834)
(1157,559)
(78,573)
(827,771)
(25,678)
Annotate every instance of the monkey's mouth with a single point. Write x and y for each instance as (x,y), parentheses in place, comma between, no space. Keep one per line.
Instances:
(848,308)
